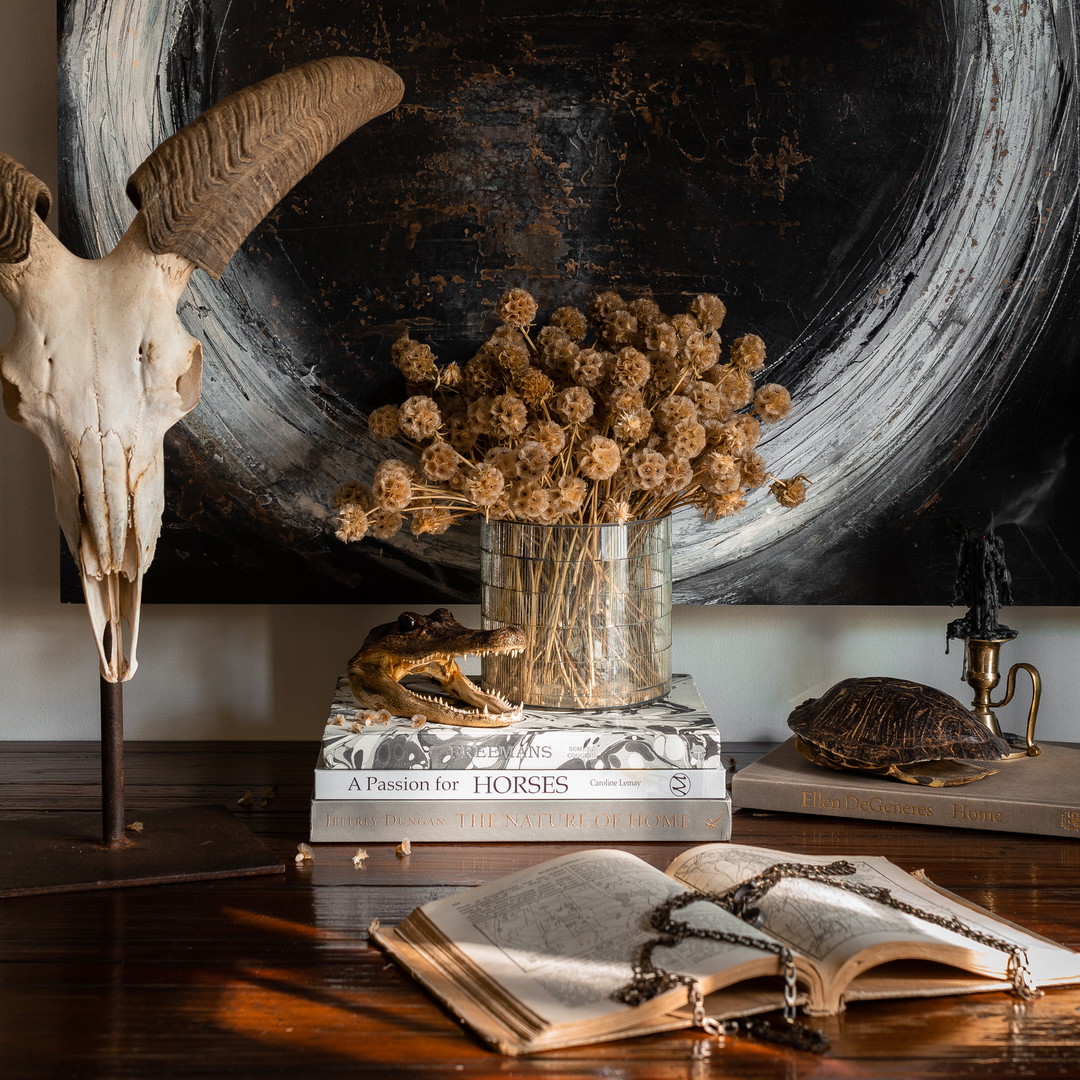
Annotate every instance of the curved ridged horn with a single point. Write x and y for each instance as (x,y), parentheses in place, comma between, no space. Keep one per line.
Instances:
(206,187)
(22,195)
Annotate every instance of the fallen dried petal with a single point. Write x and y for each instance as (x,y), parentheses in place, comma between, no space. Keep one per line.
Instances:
(135,826)
(359,857)
(304,852)
(372,926)
(246,799)
(404,848)
(790,493)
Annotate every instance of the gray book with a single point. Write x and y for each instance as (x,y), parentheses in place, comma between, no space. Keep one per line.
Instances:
(1038,795)
(454,821)
(673,732)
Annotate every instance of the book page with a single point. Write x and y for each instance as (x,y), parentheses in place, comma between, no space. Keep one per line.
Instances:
(831,925)
(562,937)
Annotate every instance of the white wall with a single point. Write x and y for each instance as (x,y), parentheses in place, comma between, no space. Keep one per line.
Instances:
(267,672)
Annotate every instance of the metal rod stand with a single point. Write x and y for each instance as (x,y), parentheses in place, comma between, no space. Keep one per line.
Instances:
(64,853)
(112,765)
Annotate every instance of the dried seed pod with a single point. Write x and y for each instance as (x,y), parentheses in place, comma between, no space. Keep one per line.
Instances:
(790,493)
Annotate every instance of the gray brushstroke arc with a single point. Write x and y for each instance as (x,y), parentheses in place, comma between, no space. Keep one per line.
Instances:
(932,336)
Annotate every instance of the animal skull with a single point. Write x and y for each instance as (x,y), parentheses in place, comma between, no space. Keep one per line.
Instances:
(99,366)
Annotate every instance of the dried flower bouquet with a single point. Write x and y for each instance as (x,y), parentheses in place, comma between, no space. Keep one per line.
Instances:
(621,416)
(563,425)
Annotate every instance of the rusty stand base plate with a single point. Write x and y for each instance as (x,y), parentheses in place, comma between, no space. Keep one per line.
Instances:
(64,852)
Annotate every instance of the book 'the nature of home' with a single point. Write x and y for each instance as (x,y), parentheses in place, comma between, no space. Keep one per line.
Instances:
(468,821)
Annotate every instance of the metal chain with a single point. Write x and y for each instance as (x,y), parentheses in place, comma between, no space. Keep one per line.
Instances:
(741,899)
(649,979)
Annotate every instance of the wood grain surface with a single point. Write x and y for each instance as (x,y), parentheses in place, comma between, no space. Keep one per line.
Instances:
(272,976)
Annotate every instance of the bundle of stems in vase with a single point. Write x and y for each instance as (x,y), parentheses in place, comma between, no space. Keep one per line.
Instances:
(621,414)
(595,604)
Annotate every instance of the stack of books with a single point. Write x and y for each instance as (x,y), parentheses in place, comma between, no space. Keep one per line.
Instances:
(647,772)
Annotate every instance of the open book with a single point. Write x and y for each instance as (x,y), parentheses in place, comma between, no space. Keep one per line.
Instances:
(532,960)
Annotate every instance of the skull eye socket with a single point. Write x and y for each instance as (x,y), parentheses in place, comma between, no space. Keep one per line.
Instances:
(406,622)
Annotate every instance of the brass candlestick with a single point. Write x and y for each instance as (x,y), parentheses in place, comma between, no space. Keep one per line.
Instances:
(984,583)
(982,674)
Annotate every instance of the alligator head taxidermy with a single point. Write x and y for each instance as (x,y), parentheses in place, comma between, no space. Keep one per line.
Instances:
(426,645)
(99,366)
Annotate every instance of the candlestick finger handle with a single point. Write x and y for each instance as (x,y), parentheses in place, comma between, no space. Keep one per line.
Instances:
(1031,748)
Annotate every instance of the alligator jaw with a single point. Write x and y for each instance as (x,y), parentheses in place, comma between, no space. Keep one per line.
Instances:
(426,645)
(374,688)
(454,681)
(376,684)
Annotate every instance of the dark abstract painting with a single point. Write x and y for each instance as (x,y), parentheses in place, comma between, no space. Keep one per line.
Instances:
(886,193)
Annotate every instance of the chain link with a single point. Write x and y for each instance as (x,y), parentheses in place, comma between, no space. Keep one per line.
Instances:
(709,1024)
(791,986)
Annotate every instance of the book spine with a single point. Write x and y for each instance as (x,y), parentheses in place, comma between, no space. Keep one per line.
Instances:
(510,748)
(692,821)
(411,785)
(965,809)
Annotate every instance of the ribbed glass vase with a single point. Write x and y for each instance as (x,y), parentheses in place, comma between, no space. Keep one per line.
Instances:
(595,604)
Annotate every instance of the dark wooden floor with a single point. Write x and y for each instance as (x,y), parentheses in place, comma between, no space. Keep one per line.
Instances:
(272,976)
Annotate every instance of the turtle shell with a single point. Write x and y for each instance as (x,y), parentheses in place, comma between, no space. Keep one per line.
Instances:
(913,732)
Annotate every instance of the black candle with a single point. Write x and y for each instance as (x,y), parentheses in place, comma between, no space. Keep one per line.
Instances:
(983,583)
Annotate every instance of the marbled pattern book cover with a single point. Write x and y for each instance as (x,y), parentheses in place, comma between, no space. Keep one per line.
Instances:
(675,732)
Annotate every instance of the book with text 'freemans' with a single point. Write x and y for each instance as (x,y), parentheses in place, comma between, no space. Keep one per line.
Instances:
(673,732)
(467,821)
(385,785)
(1036,795)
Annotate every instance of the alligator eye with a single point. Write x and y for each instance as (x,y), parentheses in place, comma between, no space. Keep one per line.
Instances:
(406,622)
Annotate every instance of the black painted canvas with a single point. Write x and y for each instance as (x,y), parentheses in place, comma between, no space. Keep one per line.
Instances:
(886,193)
